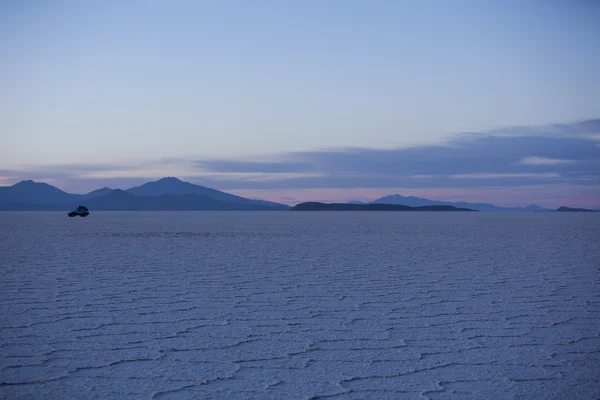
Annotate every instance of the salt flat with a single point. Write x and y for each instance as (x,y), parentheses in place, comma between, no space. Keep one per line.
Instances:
(262,305)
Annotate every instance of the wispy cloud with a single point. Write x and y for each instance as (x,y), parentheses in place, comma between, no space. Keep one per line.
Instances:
(587,129)
(503,176)
(545,161)
(468,159)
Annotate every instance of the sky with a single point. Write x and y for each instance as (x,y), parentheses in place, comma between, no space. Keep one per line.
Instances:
(493,101)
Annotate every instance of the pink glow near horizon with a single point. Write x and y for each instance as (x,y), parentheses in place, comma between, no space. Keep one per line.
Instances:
(544,195)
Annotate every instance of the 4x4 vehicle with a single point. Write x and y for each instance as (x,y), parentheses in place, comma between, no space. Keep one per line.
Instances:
(81,211)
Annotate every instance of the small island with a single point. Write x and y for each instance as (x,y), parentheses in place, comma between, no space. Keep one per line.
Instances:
(570,209)
(315,206)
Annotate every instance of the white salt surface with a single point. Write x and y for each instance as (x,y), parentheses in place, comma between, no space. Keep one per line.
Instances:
(299,305)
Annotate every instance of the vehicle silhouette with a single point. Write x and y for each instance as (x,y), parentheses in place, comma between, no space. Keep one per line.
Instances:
(81,211)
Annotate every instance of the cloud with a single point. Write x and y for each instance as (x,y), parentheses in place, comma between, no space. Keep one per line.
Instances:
(468,160)
(511,157)
(502,176)
(587,129)
(544,161)
(250,166)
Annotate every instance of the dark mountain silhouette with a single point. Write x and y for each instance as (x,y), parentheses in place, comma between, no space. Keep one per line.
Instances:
(30,192)
(174,186)
(418,202)
(570,209)
(122,200)
(174,194)
(171,194)
(96,193)
(40,193)
(118,200)
(314,206)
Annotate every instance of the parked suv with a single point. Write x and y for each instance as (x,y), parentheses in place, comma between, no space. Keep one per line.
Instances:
(81,211)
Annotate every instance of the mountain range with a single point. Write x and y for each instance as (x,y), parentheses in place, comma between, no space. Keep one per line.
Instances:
(164,194)
(420,202)
(175,194)
(315,206)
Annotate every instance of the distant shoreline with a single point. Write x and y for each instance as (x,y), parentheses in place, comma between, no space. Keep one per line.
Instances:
(173,194)
(315,206)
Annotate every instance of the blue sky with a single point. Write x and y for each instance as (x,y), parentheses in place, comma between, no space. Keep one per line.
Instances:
(336,99)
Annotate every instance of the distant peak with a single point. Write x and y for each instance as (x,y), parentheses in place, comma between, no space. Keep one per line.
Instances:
(29,183)
(170,178)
